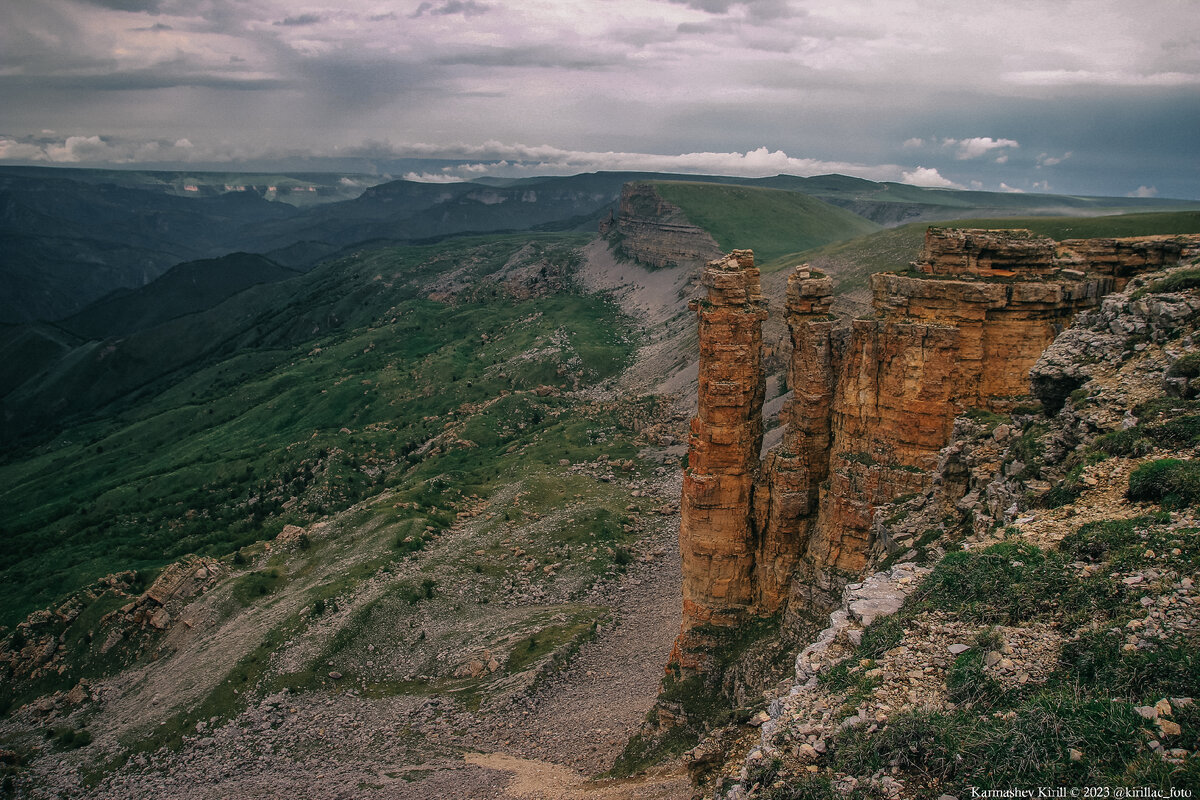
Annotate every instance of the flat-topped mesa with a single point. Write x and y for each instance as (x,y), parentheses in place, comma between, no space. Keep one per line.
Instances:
(715,534)
(657,233)
(1022,254)
(785,500)
(986,253)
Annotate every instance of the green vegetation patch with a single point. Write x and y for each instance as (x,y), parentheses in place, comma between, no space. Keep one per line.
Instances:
(1170,481)
(642,752)
(1005,584)
(772,222)
(1077,728)
(968,683)
(956,750)
(1178,281)
(1154,223)
(253,586)
(351,383)
(560,641)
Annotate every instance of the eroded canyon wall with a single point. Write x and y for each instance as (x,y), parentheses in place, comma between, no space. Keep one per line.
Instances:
(872,404)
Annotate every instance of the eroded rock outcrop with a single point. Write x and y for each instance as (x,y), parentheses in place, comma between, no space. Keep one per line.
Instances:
(786,498)
(715,534)
(873,404)
(656,233)
(78,638)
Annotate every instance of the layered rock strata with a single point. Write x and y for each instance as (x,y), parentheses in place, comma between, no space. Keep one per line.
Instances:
(656,233)
(786,497)
(872,404)
(715,534)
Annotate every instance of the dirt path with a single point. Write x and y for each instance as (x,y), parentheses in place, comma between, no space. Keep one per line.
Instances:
(541,780)
(577,723)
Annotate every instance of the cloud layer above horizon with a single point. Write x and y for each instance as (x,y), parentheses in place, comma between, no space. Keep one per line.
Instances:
(1088,96)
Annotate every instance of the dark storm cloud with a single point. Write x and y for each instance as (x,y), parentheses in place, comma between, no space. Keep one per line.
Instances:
(699,27)
(543,57)
(755,9)
(301,20)
(349,82)
(468,8)
(146,6)
(138,80)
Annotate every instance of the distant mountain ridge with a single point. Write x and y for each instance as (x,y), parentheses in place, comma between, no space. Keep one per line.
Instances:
(69,237)
(184,289)
(65,243)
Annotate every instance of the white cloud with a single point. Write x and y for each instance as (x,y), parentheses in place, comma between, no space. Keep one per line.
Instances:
(913,143)
(978,146)
(76,149)
(519,158)
(490,158)
(1144,191)
(1083,77)
(1047,160)
(929,177)
(11,150)
(1004,187)
(432,177)
(95,149)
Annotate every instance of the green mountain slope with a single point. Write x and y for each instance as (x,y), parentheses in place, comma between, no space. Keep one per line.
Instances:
(65,243)
(772,222)
(184,289)
(346,382)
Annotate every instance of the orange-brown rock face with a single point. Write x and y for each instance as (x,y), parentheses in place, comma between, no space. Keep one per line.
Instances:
(715,531)
(1124,258)
(786,498)
(965,337)
(960,252)
(1002,327)
(871,406)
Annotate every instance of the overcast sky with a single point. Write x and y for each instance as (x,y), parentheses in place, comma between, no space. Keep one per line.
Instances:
(1069,96)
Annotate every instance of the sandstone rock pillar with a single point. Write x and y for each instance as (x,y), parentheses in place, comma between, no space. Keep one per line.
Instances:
(786,498)
(715,534)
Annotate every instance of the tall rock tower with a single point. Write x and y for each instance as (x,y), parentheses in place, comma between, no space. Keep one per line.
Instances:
(716,532)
